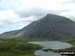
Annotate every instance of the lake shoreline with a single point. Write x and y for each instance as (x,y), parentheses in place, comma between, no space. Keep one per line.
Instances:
(51,49)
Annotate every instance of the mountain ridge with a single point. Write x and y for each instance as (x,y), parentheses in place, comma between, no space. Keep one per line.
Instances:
(51,27)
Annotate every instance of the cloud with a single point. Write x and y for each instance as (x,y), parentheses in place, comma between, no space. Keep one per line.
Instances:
(69,14)
(15,14)
(42,7)
(33,11)
(9,4)
(12,21)
(36,7)
(69,1)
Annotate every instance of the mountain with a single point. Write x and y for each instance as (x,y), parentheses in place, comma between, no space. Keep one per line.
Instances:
(51,27)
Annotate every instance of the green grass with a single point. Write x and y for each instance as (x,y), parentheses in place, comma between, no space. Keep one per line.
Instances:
(17,48)
(13,47)
(72,42)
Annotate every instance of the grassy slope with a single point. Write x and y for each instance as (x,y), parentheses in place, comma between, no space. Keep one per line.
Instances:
(71,42)
(17,48)
(22,48)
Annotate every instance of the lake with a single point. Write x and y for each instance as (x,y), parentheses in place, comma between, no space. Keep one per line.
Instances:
(55,45)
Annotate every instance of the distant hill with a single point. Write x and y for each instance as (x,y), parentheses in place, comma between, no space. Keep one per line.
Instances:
(51,27)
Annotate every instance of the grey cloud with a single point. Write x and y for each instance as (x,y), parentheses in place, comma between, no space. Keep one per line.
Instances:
(69,1)
(34,11)
(38,12)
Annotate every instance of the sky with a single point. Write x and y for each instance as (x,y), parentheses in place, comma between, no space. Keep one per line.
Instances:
(16,14)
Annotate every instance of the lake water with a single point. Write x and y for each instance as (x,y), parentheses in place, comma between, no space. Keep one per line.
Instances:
(55,45)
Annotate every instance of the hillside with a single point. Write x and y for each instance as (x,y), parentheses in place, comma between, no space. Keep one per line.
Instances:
(51,27)
(17,48)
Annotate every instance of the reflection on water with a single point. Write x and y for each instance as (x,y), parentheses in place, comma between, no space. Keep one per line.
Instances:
(42,53)
(55,45)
